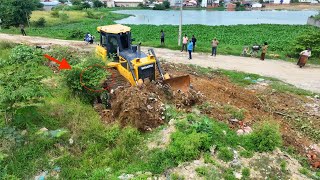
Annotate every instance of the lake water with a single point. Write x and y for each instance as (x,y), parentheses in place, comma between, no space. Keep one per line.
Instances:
(215,17)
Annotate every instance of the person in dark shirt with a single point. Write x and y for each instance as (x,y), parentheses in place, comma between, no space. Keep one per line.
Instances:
(194,40)
(162,37)
(23,32)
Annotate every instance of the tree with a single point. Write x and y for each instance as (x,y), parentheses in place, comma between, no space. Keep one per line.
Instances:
(15,12)
(97,4)
(166,4)
(76,2)
(21,76)
(310,39)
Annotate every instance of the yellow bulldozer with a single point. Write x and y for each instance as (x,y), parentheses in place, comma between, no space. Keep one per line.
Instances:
(128,60)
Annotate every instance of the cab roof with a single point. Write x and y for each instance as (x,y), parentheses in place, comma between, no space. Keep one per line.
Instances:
(114,29)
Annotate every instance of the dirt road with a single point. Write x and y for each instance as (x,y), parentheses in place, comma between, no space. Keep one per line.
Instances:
(307,78)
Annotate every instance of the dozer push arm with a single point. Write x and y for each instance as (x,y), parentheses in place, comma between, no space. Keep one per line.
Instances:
(151,51)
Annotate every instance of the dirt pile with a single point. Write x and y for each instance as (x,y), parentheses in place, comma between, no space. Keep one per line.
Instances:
(143,107)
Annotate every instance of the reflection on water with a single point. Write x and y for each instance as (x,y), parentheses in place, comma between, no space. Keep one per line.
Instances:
(215,17)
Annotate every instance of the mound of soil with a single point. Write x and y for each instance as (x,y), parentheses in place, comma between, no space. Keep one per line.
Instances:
(143,106)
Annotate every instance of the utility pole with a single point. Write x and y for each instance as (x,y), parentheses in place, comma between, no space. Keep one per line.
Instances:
(180,25)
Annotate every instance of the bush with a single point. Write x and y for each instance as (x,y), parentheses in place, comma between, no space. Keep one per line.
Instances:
(22,54)
(92,78)
(245,172)
(143,6)
(85,5)
(41,22)
(76,34)
(225,154)
(54,13)
(185,147)
(76,2)
(63,16)
(159,7)
(265,137)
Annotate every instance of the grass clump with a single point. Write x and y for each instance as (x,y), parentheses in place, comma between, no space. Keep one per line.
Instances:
(245,173)
(202,171)
(175,176)
(283,166)
(246,154)
(265,137)
(225,154)
(185,147)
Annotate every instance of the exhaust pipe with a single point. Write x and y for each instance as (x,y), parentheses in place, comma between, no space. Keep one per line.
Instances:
(139,50)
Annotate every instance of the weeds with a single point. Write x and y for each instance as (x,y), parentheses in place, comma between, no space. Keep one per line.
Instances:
(265,137)
(175,176)
(235,112)
(202,171)
(246,154)
(245,173)
(225,154)
(283,166)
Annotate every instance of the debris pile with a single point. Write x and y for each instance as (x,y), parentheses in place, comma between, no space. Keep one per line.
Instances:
(138,107)
(143,106)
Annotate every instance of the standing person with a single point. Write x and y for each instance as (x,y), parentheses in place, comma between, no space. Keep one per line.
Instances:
(190,48)
(304,56)
(23,32)
(214,44)
(264,51)
(194,40)
(184,42)
(162,38)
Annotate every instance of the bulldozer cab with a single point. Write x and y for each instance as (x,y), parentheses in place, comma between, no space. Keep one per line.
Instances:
(115,43)
(113,39)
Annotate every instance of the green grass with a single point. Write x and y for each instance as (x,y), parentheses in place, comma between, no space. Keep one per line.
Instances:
(103,151)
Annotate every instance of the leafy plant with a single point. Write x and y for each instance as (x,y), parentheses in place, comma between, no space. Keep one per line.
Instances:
(225,154)
(245,173)
(283,166)
(41,22)
(202,171)
(92,74)
(63,16)
(76,33)
(186,147)
(21,77)
(311,39)
(54,13)
(246,154)
(265,137)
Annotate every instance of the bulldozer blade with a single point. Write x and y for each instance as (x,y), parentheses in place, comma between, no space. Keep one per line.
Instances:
(181,83)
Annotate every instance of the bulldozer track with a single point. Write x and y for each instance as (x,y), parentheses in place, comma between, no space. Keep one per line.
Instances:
(116,80)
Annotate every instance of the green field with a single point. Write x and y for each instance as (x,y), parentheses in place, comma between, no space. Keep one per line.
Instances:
(281,38)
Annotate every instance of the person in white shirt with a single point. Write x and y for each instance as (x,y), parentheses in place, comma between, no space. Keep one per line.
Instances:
(304,56)
(184,43)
